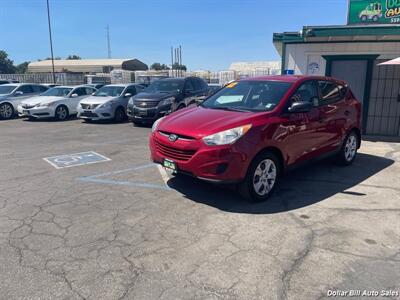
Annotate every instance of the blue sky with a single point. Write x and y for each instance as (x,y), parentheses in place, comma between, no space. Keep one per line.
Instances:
(213,33)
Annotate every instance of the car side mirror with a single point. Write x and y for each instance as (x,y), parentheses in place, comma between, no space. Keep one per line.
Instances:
(300,107)
(128,95)
(18,93)
(74,95)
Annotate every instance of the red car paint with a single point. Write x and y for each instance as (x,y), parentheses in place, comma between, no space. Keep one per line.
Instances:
(295,137)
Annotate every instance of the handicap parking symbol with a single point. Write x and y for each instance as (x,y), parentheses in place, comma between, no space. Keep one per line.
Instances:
(75,159)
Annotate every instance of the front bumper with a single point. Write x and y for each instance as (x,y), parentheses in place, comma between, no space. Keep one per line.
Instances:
(221,164)
(95,114)
(36,112)
(147,115)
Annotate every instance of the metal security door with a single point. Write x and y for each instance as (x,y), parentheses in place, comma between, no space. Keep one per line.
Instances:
(384,106)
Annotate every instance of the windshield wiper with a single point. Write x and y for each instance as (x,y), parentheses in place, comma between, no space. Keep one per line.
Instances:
(230,108)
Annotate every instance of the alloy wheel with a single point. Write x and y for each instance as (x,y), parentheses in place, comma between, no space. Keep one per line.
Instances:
(61,113)
(6,111)
(264,177)
(350,147)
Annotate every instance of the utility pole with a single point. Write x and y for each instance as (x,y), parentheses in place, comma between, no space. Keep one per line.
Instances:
(108,41)
(51,41)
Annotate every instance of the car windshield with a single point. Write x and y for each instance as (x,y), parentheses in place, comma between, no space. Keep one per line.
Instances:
(57,92)
(248,96)
(7,89)
(109,91)
(174,85)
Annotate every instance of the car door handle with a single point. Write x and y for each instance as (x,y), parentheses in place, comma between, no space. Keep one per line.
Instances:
(347,113)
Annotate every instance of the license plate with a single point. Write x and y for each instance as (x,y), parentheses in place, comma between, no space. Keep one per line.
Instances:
(142,112)
(170,165)
(25,112)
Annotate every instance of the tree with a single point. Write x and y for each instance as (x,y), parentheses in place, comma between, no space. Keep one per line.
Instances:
(73,56)
(22,67)
(6,64)
(177,66)
(158,67)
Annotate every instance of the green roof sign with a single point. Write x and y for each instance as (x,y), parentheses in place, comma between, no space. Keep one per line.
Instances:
(371,12)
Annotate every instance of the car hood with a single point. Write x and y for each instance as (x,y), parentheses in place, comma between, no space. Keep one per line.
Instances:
(154,96)
(4,96)
(41,99)
(199,122)
(97,100)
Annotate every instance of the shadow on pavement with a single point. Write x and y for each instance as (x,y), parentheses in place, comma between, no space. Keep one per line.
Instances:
(299,188)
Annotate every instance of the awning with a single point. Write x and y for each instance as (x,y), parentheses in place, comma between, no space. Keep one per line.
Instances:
(395,61)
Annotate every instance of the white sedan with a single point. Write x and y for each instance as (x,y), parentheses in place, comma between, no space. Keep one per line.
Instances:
(59,102)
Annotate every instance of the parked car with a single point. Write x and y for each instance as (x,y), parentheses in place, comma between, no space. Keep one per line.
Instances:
(213,88)
(109,102)
(253,130)
(96,85)
(165,96)
(3,81)
(51,85)
(59,102)
(12,94)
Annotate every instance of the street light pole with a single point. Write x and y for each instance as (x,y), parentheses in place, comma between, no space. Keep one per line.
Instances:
(51,41)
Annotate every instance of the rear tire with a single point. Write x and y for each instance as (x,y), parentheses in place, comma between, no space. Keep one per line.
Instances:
(6,111)
(119,115)
(348,151)
(262,177)
(61,113)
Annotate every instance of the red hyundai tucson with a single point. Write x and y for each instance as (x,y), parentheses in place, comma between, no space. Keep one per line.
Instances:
(252,130)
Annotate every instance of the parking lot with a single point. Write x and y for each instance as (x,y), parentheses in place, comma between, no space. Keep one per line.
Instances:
(121,229)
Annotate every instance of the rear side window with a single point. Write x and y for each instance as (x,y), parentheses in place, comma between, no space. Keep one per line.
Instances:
(330,92)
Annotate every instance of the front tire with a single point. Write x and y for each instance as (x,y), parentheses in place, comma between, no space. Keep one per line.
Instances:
(262,178)
(61,113)
(119,115)
(348,152)
(6,111)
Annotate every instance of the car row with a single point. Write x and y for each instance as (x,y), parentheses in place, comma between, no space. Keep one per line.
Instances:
(110,102)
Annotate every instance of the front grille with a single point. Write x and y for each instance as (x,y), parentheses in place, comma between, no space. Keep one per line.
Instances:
(144,104)
(89,115)
(174,153)
(150,113)
(89,106)
(180,136)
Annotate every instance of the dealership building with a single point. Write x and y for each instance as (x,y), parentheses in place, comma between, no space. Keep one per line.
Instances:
(353,53)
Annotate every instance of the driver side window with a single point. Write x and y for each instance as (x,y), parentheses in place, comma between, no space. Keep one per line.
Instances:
(307,92)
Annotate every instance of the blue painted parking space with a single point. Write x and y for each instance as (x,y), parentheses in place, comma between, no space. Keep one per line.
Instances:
(75,159)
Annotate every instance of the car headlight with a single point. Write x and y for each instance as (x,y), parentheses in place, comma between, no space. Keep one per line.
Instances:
(47,104)
(130,102)
(106,105)
(155,124)
(167,101)
(227,136)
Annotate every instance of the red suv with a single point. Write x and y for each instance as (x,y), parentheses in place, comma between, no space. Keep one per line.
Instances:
(252,130)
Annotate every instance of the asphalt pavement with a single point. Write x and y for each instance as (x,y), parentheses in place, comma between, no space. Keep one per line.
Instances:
(113,226)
